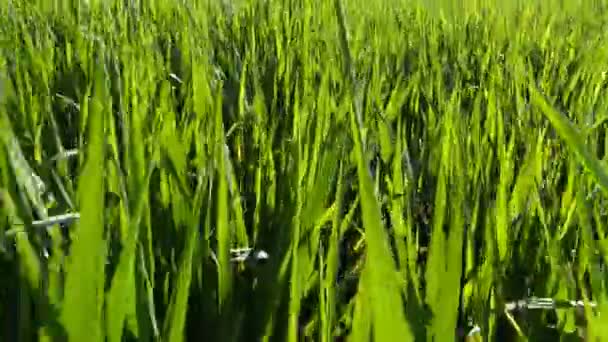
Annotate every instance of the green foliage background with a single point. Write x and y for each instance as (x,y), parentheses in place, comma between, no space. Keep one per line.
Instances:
(409,167)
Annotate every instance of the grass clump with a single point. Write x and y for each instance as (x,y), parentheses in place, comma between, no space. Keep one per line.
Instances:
(270,170)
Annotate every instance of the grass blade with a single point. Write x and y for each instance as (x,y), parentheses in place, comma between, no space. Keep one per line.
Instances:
(83,302)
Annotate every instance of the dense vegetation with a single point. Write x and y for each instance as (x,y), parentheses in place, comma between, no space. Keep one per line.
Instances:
(410,169)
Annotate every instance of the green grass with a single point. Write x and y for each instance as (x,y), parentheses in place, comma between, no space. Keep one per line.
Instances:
(412,169)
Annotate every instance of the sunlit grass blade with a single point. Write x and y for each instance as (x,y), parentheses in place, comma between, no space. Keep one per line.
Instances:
(121,296)
(382,279)
(83,303)
(381,276)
